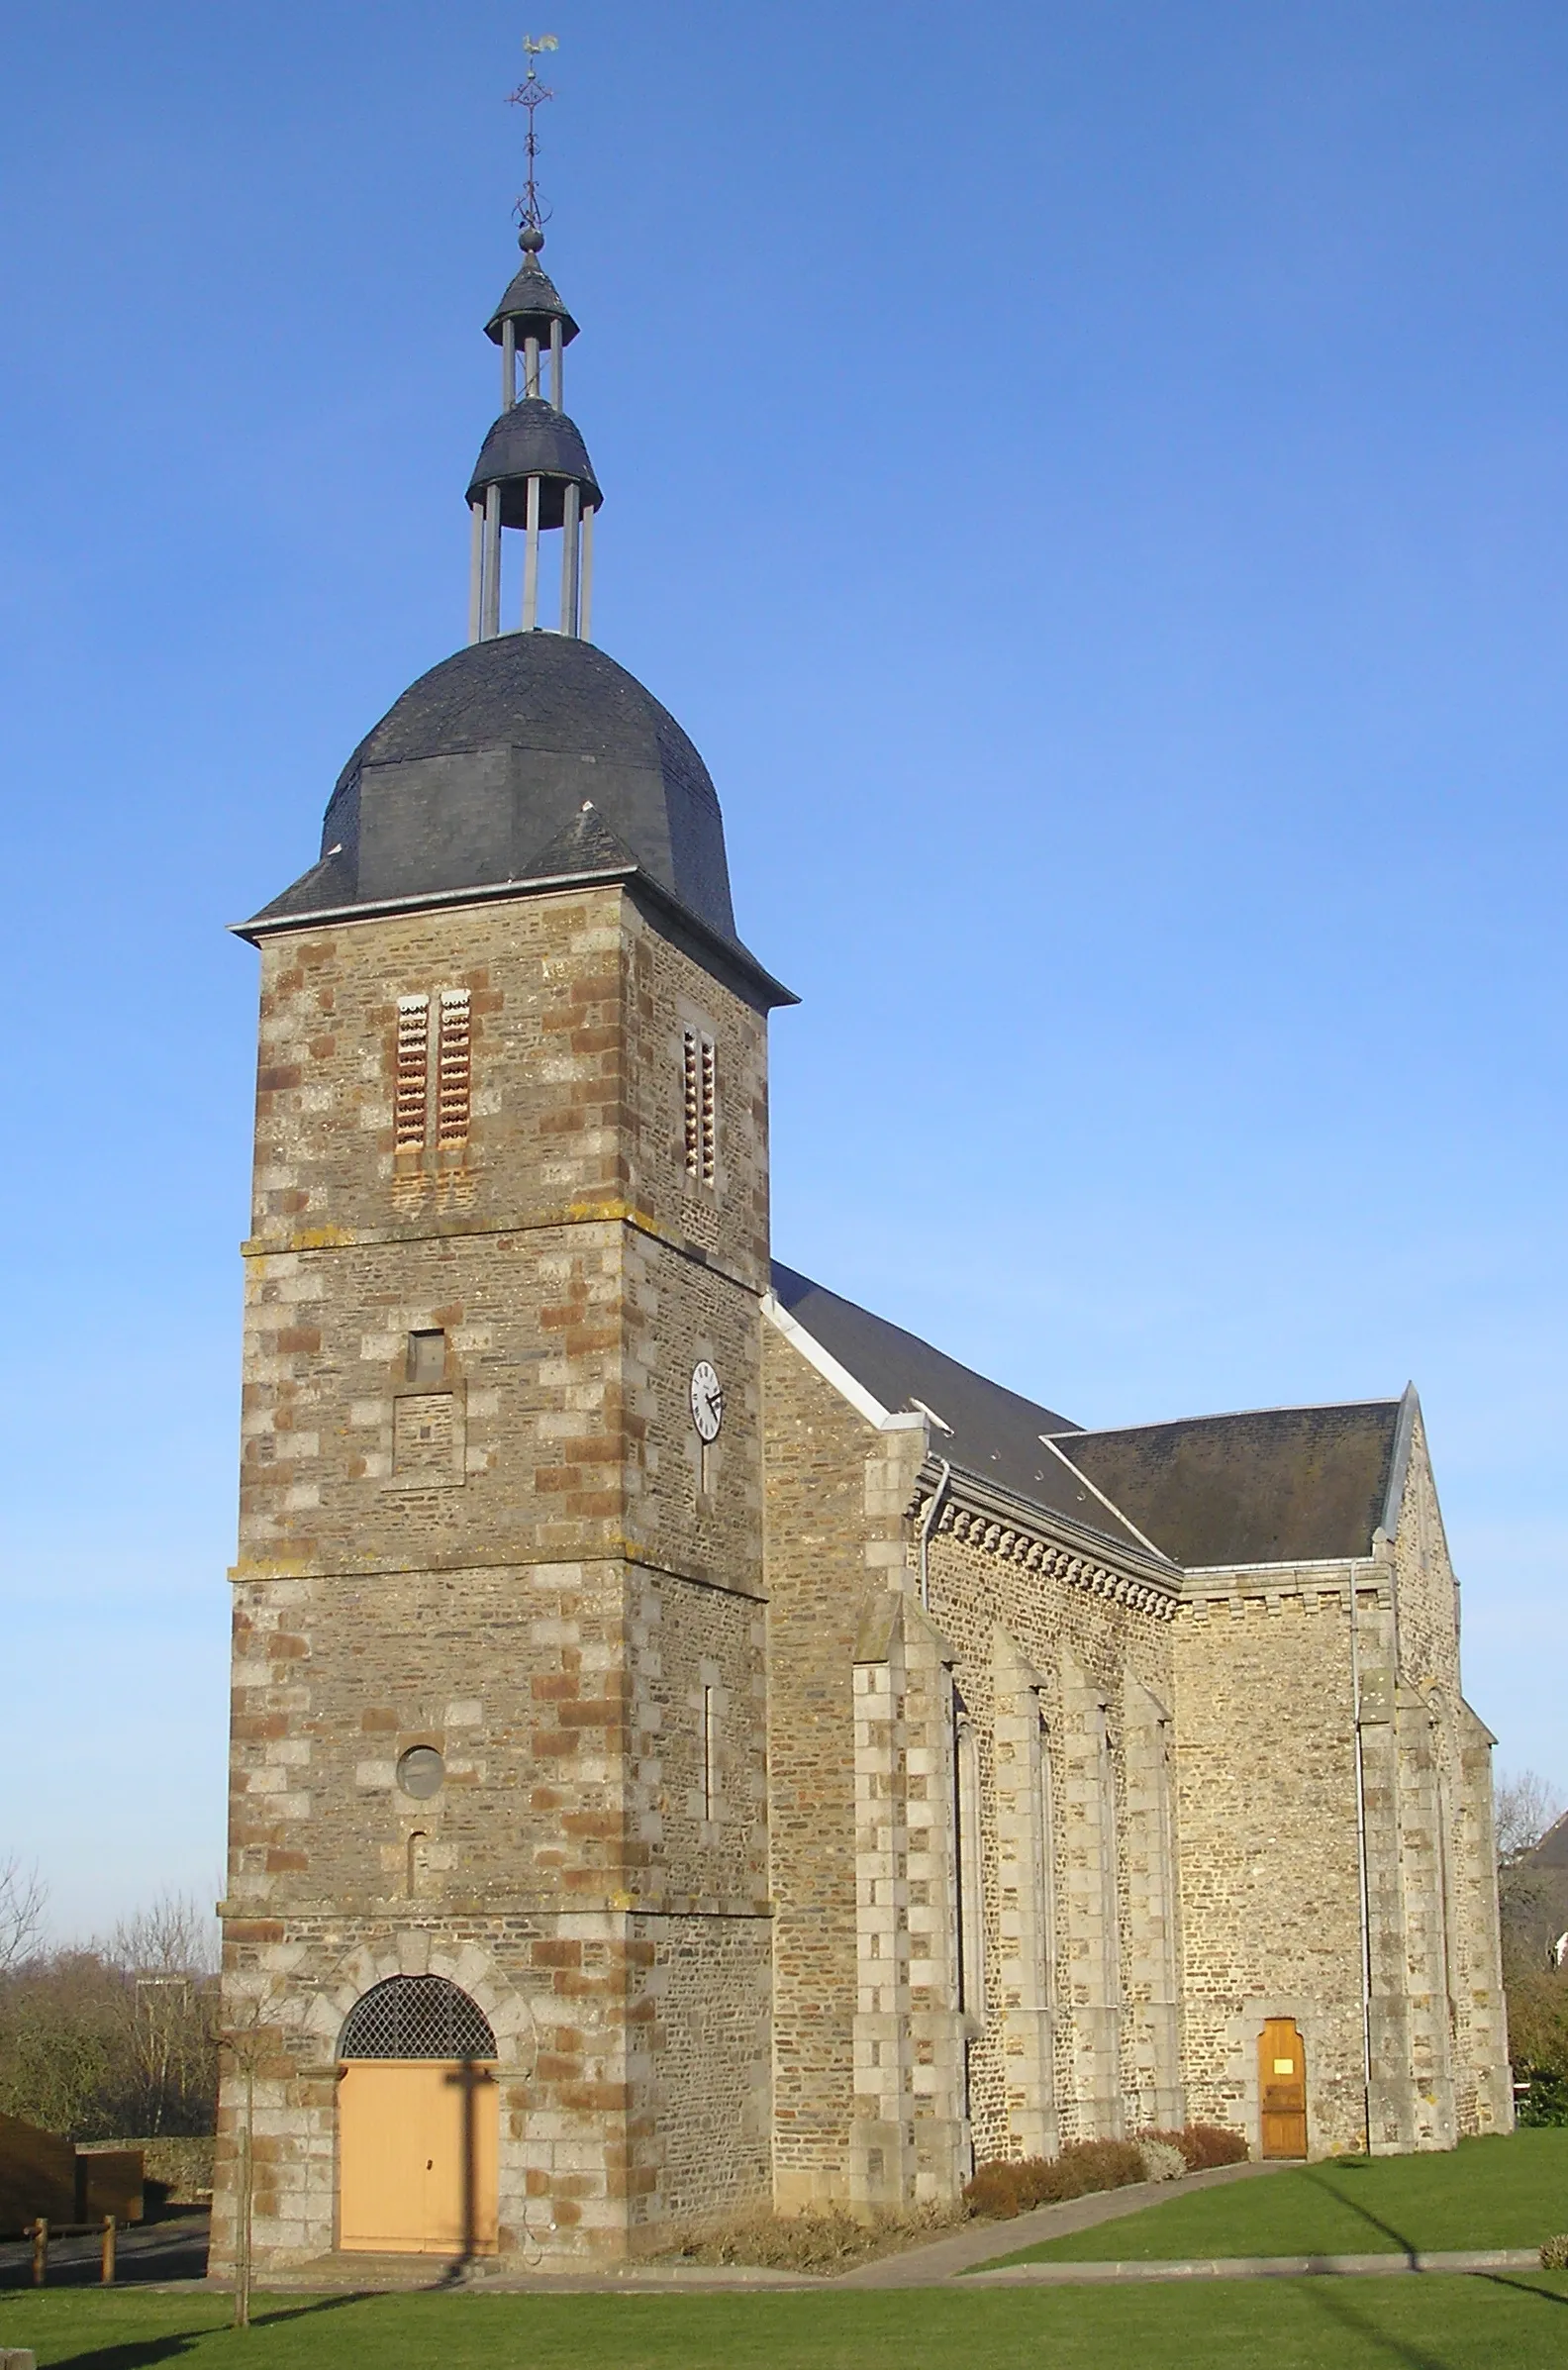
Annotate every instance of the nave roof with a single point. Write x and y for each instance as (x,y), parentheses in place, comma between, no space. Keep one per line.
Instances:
(1265,1486)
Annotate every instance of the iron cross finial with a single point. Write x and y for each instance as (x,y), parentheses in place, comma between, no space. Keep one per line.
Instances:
(532,93)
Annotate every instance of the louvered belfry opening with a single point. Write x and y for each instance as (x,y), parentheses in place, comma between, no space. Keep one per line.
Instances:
(699,1101)
(453,1069)
(413,1072)
(416,2016)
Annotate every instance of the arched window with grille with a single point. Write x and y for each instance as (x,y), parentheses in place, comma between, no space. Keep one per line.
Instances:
(416,2016)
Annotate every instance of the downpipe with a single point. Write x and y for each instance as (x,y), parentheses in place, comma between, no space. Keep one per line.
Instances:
(934,1507)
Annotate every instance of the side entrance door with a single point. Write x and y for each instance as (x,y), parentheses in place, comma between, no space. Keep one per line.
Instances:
(418,2152)
(1282,2088)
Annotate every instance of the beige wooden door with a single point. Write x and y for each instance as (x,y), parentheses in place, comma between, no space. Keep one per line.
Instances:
(1282,2088)
(418,2157)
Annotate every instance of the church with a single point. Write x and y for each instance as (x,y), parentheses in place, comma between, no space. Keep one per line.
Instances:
(695,1745)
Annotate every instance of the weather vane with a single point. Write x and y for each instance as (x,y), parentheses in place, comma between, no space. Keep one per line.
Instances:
(532,93)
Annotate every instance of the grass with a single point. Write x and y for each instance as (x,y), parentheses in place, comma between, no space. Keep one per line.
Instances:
(1496,2192)
(1505,2323)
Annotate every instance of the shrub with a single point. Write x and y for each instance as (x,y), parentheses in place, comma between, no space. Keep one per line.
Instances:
(1554,2254)
(1204,2145)
(1545,2105)
(1013,2185)
(827,2242)
(1162,2159)
(1200,2147)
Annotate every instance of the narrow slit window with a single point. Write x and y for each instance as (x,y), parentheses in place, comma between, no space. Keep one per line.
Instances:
(698,1084)
(710,1743)
(452,1068)
(410,1091)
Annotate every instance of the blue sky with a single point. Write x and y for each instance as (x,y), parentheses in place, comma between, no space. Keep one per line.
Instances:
(1093,479)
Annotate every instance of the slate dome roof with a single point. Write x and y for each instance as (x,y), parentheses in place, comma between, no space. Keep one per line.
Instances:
(531,303)
(486,760)
(533,439)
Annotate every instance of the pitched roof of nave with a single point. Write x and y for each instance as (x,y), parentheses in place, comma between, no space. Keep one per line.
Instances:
(1278,1485)
(993,1433)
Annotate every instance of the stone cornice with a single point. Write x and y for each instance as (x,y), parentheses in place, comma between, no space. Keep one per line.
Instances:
(255,1571)
(1207,1586)
(980,1515)
(600,1211)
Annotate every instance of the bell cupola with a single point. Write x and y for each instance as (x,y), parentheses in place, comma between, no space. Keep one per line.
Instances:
(533,476)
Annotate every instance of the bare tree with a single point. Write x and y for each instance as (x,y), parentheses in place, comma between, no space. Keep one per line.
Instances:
(254,2041)
(167,1954)
(174,1936)
(22,1894)
(1525,1806)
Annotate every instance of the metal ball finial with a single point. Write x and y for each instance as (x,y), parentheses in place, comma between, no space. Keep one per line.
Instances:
(530,238)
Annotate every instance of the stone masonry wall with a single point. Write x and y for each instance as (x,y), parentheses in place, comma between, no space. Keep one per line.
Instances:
(1097,1660)
(513,1554)
(816,1578)
(883,2079)
(1266,1816)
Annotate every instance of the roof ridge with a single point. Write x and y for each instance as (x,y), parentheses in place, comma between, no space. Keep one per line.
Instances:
(1230,1415)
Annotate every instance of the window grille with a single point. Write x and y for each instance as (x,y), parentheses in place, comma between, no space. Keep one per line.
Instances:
(701,1096)
(416,2016)
(452,1068)
(412,1088)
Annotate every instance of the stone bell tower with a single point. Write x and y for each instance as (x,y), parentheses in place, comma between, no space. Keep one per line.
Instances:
(497,1951)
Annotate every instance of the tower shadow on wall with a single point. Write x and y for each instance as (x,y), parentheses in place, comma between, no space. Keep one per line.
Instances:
(470,2077)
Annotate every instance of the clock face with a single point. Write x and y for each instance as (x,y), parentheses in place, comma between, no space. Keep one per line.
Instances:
(706,1400)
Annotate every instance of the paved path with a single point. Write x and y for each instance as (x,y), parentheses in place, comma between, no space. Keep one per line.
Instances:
(983,2241)
(1260,2267)
(172,2255)
(145,2251)
(917,2267)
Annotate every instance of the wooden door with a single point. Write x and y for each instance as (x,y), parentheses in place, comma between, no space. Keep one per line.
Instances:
(418,2157)
(1282,2088)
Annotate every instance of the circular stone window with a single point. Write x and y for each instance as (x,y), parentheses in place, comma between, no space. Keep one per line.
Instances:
(420,1773)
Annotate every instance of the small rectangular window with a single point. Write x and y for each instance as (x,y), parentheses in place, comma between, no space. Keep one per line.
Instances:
(426,1359)
(699,1092)
(412,1088)
(710,1740)
(452,1068)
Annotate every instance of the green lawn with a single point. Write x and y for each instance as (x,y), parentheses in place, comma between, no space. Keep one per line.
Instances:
(1514,2324)
(1510,2192)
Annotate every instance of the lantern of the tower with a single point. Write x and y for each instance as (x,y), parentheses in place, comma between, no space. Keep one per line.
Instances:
(532,474)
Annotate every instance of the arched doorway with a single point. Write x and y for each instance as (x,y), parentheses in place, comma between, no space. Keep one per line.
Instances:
(1282,2088)
(417,2122)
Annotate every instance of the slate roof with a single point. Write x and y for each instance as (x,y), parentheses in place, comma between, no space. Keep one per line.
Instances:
(1552,1849)
(531,301)
(994,1434)
(480,765)
(533,439)
(1283,1485)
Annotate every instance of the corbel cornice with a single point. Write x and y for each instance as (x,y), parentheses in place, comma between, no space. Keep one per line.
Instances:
(982,1516)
